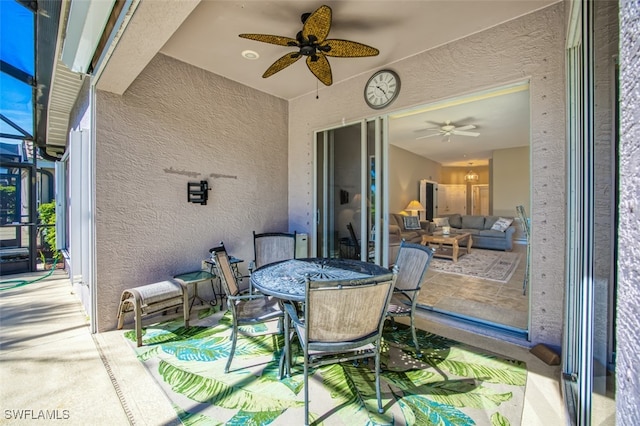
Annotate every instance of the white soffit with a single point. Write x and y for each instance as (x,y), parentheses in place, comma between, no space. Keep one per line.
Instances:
(65,86)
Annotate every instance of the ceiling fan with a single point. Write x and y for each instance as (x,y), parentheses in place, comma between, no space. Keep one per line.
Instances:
(449,129)
(312,42)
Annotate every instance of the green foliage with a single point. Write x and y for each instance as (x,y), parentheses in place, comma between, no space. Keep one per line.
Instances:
(47,214)
(7,203)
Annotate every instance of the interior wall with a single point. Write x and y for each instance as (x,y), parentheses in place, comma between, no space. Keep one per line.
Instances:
(530,47)
(178,124)
(347,178)
(511,182)
(405,182)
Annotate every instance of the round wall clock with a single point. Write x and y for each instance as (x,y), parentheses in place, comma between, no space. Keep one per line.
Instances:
(382,89)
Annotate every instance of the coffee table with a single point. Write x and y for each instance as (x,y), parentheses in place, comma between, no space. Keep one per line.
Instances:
(448,245)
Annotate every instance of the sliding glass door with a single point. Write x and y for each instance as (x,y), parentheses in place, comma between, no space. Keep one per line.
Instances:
(588,347)
(349,192)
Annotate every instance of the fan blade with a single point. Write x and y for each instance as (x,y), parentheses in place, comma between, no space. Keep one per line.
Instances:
(467,127)
(272,39)
(281,64)
(318,24)
(428,136)
(427,128)
(458,132)
(321,69)
(349,49)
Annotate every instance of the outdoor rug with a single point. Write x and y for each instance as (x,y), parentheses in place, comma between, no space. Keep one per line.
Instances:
(491,265)
(453,384)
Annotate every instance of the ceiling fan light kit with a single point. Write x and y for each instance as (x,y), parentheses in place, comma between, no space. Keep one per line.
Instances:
(449,129)
(312,42)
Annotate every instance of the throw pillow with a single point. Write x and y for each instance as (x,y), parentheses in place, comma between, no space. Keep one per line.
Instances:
(411,222)
(502,224)
(441,221)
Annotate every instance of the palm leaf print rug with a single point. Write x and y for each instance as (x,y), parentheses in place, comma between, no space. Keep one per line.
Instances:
(452,384)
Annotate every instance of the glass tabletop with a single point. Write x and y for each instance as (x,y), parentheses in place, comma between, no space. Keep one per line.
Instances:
(286,279)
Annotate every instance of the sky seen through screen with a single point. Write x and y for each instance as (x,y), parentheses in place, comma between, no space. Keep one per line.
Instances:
(16,49)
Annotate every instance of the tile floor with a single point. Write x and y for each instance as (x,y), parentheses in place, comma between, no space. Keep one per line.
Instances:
(474,297)
(55,365)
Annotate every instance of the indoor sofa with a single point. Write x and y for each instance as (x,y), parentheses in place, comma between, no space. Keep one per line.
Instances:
(480,228)
(398,232)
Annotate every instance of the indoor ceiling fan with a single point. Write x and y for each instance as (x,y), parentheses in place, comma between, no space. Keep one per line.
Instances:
(312,42)
(449,129)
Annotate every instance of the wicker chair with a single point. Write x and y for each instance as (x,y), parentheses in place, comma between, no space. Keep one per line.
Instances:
(246,309)
(342,321)
(412,263)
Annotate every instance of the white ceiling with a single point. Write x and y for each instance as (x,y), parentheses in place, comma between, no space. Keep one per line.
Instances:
(208,38)
(501,116)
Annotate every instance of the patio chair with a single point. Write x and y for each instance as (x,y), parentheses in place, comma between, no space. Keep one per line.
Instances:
(270,247)
(246,309)
(412,263)
(354,241)
(342,321)
(526,229)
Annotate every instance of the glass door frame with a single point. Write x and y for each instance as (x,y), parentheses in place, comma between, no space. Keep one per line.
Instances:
(380,253)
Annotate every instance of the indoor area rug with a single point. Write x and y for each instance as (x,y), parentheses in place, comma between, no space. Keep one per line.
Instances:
(491,265)
(452,384)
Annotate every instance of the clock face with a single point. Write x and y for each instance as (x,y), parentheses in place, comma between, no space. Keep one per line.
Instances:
(382,89)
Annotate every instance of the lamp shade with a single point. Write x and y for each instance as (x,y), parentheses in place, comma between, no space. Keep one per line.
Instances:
(415,206)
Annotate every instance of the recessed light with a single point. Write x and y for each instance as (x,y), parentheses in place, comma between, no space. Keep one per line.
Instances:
(250,54)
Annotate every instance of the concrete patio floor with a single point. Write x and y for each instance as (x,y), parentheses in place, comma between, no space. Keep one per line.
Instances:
(52,369)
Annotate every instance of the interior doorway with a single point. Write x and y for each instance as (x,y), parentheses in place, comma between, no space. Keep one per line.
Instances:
(480,199)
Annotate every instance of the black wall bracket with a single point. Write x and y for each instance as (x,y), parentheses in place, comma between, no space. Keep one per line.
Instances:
(198,192)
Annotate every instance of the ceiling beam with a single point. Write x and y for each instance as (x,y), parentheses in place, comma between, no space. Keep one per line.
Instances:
(152,24)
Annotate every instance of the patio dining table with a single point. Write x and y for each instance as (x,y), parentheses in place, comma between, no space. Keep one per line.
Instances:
(286,280)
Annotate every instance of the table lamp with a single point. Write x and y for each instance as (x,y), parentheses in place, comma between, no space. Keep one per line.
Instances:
(414,207)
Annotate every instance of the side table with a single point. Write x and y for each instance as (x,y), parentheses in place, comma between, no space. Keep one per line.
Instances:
(194,278)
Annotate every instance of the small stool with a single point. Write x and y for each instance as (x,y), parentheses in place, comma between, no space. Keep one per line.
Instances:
(151,299)
(194,278)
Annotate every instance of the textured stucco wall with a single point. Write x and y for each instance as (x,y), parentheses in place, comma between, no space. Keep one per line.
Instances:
(531,47)
(628,322)
(177,124)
